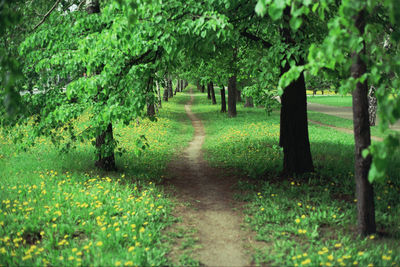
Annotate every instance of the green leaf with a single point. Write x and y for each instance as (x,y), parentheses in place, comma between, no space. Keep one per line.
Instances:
(295,23)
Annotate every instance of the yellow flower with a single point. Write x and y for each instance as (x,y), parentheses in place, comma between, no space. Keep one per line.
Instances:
(99,244)
(330,257)
(74,249)
(128,263)
(360,253)
(303,216)
(130,249)
(355,263)
(117,263)
(61,258)
(297,220)
(299,204)
(71,258)
(26,257)
(117,229)
(371,237)
(307,261)
(386,258)
(338,245)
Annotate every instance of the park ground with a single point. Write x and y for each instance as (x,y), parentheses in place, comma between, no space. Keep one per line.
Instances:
(207,191)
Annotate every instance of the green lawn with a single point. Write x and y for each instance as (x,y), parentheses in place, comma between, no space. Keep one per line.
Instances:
(302,220)
(57,210)
(332,100)
(341,122)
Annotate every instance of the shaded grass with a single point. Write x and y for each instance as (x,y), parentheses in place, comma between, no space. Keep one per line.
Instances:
(57,209)
(309,219)
(331,100)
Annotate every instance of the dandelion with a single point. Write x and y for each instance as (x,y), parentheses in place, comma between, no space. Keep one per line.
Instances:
(297,220)
(305,262)
(99,244)
(338,245)
(330,257)
(130,249)
(386,258)
(372,237)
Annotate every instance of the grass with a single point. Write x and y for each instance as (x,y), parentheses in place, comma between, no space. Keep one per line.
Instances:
(331,100)
(306,220)
(343,123)
(56,209)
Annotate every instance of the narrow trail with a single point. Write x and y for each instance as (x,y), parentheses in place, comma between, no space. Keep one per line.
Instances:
(211,210)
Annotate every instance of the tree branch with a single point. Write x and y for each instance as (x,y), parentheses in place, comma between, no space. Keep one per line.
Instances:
(47,14)
(255,38)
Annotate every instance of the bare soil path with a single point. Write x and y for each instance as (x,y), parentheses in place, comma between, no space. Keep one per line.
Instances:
(212,211)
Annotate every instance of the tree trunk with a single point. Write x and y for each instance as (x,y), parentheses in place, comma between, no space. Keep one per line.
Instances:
(208,91)
(293,119)
(105,141)
(159,94)
(214,101)
(249,102)
(239,96)
(294,129)
(105,148)
(165,97)
(372,106)
(92,6)
(223,101)
(199,88)
(170,89)
(362,138)
(186,83)
(203,88)
(177,87)
(232,96)
(151,112)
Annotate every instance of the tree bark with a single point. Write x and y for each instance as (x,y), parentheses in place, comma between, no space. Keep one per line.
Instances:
(372,106)
(151,112)
(199,88)
(105,155)
(223,100)
(249,102)
(105,141)
(92,6)
(159,94)
(170,89)
(232,96)
(294,129)
(214,101)
(362,138)
(208,91)
(165,96)
(293,119)
(239,96)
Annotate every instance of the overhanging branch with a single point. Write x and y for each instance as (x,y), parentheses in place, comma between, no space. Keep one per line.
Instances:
(47,14)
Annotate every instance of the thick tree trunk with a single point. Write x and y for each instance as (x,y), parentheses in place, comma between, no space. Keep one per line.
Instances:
(186,84)
(294,124)
(232,96)
(362,138)
(223,101)
(294,129)
(104,146)
(214,101)
(203,88)
(249,102)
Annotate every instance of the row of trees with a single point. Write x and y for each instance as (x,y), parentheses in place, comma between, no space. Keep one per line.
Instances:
(110,58)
